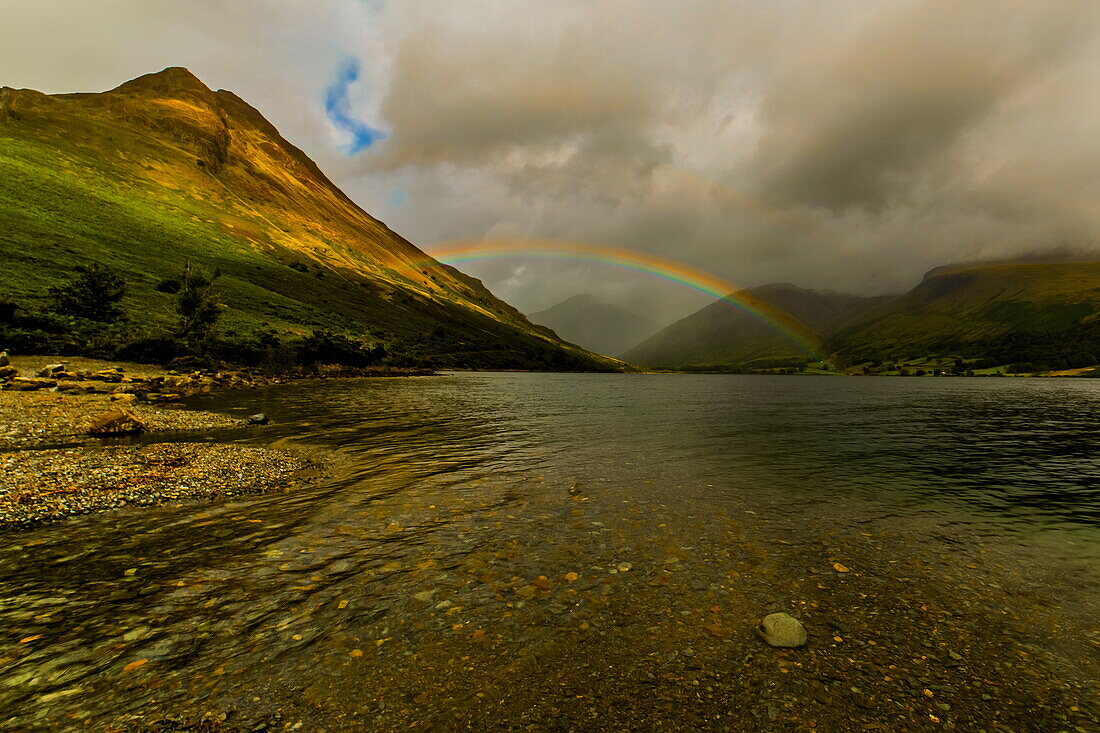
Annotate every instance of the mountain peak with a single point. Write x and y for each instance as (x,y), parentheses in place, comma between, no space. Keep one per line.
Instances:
(172,80)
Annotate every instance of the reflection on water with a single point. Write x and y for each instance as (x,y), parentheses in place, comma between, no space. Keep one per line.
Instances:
(1010,450)
(445,478)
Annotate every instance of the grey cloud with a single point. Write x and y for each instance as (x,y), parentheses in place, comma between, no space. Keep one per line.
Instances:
(856,125)
(842,144)
(463,102)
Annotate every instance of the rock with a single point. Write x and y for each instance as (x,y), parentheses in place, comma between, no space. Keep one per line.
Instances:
(170,397)
(124,398)
(116,422)
(258,419)
(29,384)
(50,370)
(782,630)
(7,372)
(4,361)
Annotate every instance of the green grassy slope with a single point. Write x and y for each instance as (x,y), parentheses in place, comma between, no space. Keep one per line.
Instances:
(162,171)
(1002,313)
(721,335)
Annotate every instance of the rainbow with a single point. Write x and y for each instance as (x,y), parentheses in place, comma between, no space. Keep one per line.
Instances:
(476,250)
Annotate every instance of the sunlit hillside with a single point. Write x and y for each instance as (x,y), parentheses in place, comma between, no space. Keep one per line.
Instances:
(163,171)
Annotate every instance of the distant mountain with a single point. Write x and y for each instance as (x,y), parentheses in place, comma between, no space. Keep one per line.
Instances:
(723,335)
(163,171)
(1046,314)
(596,325)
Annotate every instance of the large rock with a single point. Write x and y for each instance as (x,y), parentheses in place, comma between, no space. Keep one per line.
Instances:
(782,630)
(258,419)
(116,422)
(7,372)
(4,361)
(51,370)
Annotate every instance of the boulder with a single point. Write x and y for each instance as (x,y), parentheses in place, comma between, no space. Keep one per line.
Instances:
(782,630)
(8,371)
(50,370)
(116,422)
(258,419)
(4,361)
(124,398)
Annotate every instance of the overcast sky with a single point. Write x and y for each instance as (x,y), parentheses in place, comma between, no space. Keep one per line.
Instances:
(833,144)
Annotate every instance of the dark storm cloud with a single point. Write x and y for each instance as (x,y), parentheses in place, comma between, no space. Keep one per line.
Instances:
(860,124)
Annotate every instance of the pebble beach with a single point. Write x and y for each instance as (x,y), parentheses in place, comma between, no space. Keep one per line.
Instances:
(52,468)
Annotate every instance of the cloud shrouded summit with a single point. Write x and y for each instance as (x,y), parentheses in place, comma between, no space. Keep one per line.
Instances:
(845,145)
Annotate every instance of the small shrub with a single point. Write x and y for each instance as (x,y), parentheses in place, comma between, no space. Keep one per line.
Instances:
(197,305)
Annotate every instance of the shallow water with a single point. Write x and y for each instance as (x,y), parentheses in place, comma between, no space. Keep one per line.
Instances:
(454,492)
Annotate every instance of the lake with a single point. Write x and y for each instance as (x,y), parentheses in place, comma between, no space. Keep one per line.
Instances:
(502,550)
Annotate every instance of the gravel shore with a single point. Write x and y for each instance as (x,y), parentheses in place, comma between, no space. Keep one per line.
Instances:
(50,467)
(46,485)
(33,419)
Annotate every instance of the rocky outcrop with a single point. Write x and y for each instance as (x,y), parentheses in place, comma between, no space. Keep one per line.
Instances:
(29,384)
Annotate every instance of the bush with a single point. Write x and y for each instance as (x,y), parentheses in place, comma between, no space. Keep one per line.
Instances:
(8,310)
(169,285)
(94,295)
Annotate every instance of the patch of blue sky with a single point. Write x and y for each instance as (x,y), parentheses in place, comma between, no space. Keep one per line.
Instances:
(338,108)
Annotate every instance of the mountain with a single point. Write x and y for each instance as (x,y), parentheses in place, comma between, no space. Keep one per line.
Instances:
(722,335)
(163,171)
(596,325)
(1045,314)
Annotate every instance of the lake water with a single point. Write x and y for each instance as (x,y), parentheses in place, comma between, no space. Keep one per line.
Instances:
(1021,455)
(455,491)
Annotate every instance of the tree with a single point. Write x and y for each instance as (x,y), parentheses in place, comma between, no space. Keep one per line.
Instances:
(94,294)
(197,304)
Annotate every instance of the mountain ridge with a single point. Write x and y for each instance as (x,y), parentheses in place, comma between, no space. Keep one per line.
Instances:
(1001,312)
(721,334)
(162,170)
(595,324)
